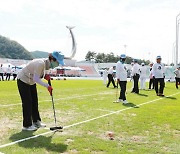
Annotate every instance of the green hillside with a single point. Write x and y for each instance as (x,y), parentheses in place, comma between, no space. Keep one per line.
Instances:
(12,49)
(39,54)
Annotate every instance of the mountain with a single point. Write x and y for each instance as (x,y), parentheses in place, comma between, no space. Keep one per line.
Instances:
(13,50)
(39,54)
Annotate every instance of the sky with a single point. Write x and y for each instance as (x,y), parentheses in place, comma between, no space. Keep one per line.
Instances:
(139,28)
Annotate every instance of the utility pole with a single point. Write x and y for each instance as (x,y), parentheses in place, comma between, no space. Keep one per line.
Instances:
(177,38)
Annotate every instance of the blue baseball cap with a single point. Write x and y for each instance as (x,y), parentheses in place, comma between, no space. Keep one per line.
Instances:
(158,57)
(123,56)
(135,60)
(59,56)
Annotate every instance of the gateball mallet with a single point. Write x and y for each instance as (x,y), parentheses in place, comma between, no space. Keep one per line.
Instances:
(116,93)
(55,127)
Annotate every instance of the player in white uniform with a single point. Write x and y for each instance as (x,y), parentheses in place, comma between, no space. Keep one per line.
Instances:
(177,73)
(158,75)
(121,75)
(151,79)
(136,75)
(14,72)
(26,81)
(105,73)
(1,72)
(131,80)
(8,73)
(143,76)
(111,76)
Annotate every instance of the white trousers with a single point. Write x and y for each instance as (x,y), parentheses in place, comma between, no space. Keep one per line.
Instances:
(132,83)
(142,82)
(105,80)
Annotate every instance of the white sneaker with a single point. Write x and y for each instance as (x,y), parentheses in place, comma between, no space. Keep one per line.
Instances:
(30,128)
(39,124)
(125,102)
(118,101)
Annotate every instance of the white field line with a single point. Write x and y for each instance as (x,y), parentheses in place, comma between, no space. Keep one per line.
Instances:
(67,89)
(85,121)
(1,153)
(105,110)
(65,98)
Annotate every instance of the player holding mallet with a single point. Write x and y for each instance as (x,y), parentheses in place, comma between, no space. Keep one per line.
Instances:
(26,81)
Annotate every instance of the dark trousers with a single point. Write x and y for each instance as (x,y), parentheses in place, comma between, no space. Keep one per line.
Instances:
(151,83)
(2,76)
(29,99)
(156,83)
(8,76)
(136,86)
(177,82)
(14,76)
(111,79)
(123,90)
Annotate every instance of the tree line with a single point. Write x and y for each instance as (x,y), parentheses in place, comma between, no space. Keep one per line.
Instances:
(109,58)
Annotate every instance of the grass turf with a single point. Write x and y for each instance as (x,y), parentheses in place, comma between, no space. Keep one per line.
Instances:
(150,128)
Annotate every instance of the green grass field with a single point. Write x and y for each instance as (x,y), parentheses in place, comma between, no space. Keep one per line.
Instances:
(149,124)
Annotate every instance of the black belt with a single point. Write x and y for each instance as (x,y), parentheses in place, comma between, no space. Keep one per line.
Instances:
(136,74)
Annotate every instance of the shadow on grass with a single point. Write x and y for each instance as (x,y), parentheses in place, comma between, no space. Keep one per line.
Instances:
(39,142)
(131,105)
(169,97)
(143,95)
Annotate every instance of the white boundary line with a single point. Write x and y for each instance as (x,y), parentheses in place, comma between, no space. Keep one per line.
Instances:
(67,98)
(82,122)
(104,110)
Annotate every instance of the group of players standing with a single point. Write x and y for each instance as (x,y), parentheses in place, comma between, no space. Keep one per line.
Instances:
(7,72)
(157,76)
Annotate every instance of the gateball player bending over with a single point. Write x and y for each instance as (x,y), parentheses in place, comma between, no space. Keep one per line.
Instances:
(26,81)
(111,76)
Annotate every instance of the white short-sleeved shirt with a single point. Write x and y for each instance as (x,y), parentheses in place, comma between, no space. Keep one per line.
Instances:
(135,69)
(158,70)
(36,66)
(177,72)
(110,71)
(8,70)
(1,70)
(15,71)
(105,74)
(121,71)
(143,72)
(150,75)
